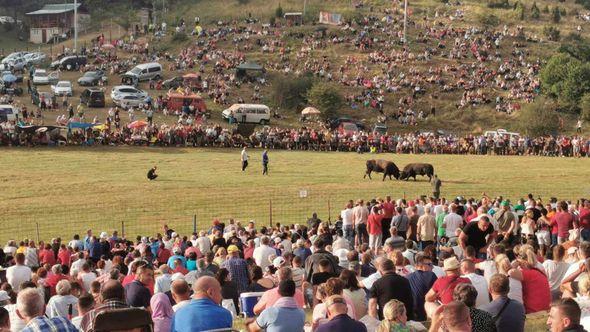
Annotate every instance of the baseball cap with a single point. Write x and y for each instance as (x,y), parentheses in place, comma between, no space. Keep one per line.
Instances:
(505,203)
(278,262)
(233,248)
(4,296)
(451,264)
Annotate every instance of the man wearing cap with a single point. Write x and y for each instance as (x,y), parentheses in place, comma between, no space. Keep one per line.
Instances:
(506,222)
(339,319)
(478,234)
(442,290)
(177,255)
(237,267)
(271,296)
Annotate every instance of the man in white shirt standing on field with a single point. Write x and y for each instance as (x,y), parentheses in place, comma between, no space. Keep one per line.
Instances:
(244,158)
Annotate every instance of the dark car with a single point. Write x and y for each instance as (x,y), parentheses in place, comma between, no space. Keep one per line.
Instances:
(92,97)
(91,78)
(71,62)
(336,122)
(172,83)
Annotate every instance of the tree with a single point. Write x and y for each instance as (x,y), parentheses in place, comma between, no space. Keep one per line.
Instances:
(546,9)
(585,107)
(291,93)
(555,14)
(552,33)
(279,11)
(555,73)
(519,8)
(535,12)
(327,98)
(489,20)
(539,118)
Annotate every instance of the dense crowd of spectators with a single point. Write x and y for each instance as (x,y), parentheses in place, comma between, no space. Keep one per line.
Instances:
(385,265)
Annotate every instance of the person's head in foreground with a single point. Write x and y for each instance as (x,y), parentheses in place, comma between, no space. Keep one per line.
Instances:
(207,288)
(30,304)
(564,316)
(394,313)
(336,305)
(452,317)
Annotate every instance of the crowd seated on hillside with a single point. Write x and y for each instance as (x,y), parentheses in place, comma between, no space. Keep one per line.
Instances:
(385,265)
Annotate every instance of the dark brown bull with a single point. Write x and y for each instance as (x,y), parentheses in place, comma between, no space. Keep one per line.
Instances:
(388,168)
(412,170)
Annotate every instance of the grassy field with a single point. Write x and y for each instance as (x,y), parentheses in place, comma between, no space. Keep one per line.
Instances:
(65,191)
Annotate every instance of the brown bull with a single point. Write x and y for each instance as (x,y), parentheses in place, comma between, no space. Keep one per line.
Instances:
(388,168)
(412,170)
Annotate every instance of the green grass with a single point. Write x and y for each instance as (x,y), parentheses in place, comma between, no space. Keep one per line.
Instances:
(67,190)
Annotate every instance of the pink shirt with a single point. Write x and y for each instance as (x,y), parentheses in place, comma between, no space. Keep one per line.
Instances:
(272,295)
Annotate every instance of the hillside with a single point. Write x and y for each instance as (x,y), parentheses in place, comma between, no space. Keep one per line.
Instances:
(466,67)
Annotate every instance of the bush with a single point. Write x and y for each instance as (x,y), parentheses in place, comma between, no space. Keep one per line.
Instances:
(243,2)
(291,93)
(555,15)
(563,12)
(535,12)
(546,9)
(179,37)
(539,118)
(279,11)
(498,4)
(327,98)
(489,20)
(519,9)
(552,33)
(272,20)
(585,107)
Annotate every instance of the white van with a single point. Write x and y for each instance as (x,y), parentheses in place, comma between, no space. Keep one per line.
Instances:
(146,71)
(7,113)
(247,113)
(501,132)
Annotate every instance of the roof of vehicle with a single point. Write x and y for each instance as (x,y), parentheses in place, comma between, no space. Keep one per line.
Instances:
(95,89)
(118,87)
(149,64)
(183,96)
(234,106)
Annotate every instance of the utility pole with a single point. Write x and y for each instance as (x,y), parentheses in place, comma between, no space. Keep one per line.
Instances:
(304,6)
(76,26)
(405,20)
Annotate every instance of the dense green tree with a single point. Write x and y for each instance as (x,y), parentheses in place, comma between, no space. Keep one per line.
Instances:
(327,99)
(539,118)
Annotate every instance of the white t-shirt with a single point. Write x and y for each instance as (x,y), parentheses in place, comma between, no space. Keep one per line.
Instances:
(87,279)
(261,255)
(481,285)
(180,305)
(555,272)
(204,244)
(17,274)
(452,221)
(347,216)
(572,269)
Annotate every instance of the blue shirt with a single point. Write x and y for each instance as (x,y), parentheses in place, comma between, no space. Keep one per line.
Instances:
(175,257)
(55,324)
(420,283)
(201,315)
(342,323)
(281,319)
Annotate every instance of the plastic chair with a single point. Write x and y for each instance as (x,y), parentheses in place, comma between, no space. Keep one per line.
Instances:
(123,320)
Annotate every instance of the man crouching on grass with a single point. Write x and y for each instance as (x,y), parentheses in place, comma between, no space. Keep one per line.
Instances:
(151,174)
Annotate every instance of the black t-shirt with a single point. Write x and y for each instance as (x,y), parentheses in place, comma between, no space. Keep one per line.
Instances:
(219,242)
(320,278)
(477,237)
(393,286)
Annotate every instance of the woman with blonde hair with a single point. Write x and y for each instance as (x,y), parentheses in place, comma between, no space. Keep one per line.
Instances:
(394,318)
(504,267)
(536,295)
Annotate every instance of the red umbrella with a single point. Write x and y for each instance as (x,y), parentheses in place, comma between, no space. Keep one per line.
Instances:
(137,124)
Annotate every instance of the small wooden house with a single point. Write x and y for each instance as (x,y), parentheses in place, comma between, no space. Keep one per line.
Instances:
(55,20)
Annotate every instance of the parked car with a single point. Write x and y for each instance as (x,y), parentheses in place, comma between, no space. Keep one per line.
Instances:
(92,78)
(93,97)
(14,64)
(146,71)
(41,76)
(129,101)
(347,129)
(7,113)
(13,56)
(71,62)
(35,58)
(380,128)
(335,122)
(62,88)
(120,91)
(173,83)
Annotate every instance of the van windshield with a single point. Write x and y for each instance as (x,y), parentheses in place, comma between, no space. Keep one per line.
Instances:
(136,70)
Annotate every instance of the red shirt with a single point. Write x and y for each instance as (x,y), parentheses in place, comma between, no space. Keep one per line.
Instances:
(445,286)
(374,224)
(564,221)
(46,256)
(388,208)
(52,281)
(163,255)
(181,269)
(535,291)
(248,252)
(585,218)
(64,257)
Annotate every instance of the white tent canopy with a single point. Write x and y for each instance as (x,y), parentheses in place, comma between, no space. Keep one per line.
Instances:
(310,111)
